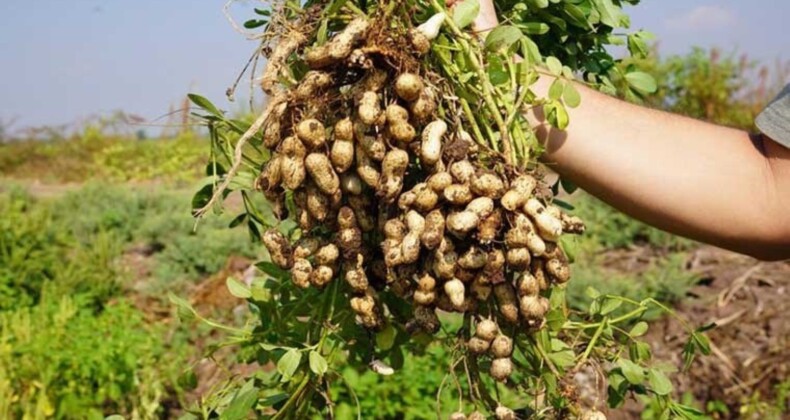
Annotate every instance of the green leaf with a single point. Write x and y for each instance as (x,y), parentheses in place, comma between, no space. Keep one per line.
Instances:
(184,308)
(570,245)
(466,12)
(577,16)
(202,197)
(544,339)
(556,89)
(557,115)
(498,77)
(571,96)
(611,15)
(242,403)
(595,307)
(550,381)
(554,65)
(530,51)
(639,329)
(205,104)
(702,342)
(238,289)
(260,291)
(322,35)
(255,233)
(569,186)
(688,413)
(534,28)
(385,338)
(639,351)
(502,37)
(637,46)
(243,181)
(215,168)
(563,359)
(273,270)
(188,380)
(659,382)
(592,293)
(274,399)
(317,363)
(696,342)
(641,82)
(555,319)
(288,364)
(618,386)
(557,298)
(634,373)
(255,23)
(563,204)
(610,305)
(262,12)
(238,220)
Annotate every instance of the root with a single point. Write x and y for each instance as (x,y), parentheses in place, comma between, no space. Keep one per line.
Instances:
(289,43)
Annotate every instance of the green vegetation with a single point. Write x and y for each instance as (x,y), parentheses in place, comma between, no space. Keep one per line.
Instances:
(651,263)
(96,156)
(73,342)
(78,341)
(65,357)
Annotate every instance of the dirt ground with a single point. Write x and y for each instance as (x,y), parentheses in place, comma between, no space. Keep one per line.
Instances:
(747,300)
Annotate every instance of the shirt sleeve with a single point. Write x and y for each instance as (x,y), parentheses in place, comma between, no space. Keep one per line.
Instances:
(774,121)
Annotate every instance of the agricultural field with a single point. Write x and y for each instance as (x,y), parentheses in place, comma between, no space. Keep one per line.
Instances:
(92,246)
(117,302)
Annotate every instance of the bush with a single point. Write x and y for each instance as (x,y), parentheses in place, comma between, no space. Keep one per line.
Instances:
(34,251)
(63,357)
(157,221)
(70,345)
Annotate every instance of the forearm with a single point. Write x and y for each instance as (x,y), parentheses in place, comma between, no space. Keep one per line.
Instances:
(688,177)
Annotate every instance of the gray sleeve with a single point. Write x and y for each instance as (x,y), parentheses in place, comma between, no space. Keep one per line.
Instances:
(774,121)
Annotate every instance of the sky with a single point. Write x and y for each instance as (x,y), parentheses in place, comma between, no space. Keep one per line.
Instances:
(62,61)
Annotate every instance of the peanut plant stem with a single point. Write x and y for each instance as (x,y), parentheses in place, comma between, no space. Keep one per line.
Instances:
(545,357)
(591,344)
(472,121)
(488,98)
(292,400)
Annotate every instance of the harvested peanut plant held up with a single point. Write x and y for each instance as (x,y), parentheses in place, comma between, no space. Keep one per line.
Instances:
(403,194)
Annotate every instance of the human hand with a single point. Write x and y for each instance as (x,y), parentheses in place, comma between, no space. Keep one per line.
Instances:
(486,19)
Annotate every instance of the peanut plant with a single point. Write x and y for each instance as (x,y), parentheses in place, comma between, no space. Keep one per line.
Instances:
(406,207)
